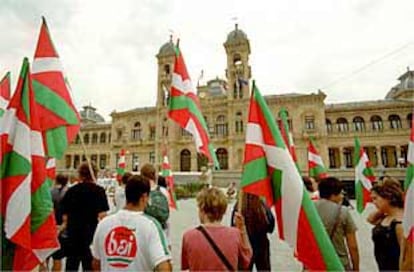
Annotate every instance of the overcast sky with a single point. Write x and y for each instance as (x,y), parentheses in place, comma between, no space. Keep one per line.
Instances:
(108,48)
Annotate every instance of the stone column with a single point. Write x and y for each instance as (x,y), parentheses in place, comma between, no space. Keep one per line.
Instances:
(194,160)
(231,156)
(379,156)
(341,158)
(398,154)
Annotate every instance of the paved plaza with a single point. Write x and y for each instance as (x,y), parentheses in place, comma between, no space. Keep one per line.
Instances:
(281,255)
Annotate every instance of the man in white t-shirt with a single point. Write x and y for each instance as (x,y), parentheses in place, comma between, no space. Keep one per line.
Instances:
(129,240)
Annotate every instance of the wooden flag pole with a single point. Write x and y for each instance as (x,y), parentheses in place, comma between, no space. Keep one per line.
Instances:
(86,156)
(240,201)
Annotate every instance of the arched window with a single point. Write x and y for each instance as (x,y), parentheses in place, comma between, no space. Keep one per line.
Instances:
(239,122)
(395,121)
(94,159)
(410,120)
(94,138)
(68,161)
(76,161)
(102,138)
(185,160)
(376,122)
(359,123)
(166,69)
(102,160)
(77,141)
(86,139)
(165,128)
(152,131)
(342,124)
(348,157)
(136,131)
(223,158)
(221,126)
(328,125)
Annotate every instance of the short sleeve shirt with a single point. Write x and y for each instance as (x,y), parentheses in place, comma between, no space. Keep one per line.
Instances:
(82,203)
(328,211)
(198,255)
(129,241)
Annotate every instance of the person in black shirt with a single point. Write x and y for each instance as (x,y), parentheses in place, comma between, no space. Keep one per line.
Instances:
(82,206)
(58,192)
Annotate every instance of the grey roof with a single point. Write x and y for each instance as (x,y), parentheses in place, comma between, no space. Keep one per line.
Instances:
(406,85)
(167,49)
(89,114)
(236,35)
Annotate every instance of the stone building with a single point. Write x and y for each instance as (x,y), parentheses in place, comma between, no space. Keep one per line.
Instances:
(382,126)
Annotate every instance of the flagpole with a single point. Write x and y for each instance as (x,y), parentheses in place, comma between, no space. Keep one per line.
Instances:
(86,156)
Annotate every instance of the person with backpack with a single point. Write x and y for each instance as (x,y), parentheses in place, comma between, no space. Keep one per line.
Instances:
(158,199)
(130,240)
(338,222)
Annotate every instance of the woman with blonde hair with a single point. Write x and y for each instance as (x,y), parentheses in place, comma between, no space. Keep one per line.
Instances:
(213,246)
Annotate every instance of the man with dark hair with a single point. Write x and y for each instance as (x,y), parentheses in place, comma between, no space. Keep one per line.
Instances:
(158,206)
(130,240)
(82,206)
(338,222)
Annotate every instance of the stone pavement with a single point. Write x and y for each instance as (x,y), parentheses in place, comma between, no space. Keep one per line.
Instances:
(281,255)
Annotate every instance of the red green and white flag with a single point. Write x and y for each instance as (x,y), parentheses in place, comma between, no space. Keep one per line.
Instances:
(269,171)
(408,220)
(169,178)
(51,169)
(59,118)
(364,177)
(120,170)
(185,110)
(315,163)
(287,135)
(409,177)
(27,209)
(4,93)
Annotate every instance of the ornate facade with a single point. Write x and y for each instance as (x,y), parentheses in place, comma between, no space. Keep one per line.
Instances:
(383,126)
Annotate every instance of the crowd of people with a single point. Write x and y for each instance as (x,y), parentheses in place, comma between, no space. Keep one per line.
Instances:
(390,250)
(136,236)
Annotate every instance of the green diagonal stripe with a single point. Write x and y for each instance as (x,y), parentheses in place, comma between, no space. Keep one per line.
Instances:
(53,102)
(13,164)
(56,141)
(409,176)
(42,205)
(253,171)
(270,121)
(277,184)
(327,250)
(25,90)
(184,102)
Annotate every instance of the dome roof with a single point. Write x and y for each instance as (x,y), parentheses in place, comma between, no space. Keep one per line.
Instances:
(405,88)
(167,49)
(89,115)
(236,35)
